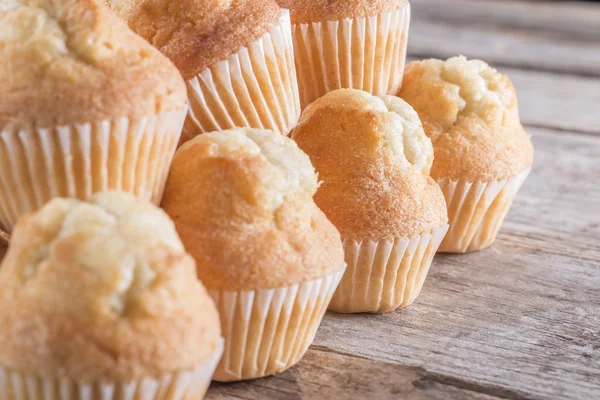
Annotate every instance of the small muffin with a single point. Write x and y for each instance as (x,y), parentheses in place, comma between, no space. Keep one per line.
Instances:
(242,202)
(86,106)
(374,160)
(359,44)
(236,56)
(482,153)
(101,301)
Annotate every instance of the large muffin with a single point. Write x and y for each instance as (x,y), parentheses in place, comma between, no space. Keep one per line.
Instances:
(242,203)
(374,160)
(86,105)
(236,56)
(359,44)
(482,153)
(102,295)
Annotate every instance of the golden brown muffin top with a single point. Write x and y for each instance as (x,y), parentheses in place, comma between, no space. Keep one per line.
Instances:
(73,61)
(470,112)
(242,204)
(306,11)
(102,290)
(374,160)
(197,34)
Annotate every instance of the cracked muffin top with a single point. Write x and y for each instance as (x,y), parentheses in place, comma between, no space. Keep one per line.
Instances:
(74,61)
(102,291)
(306,11)
(374,160)
(470,112)
(242,202)
(196,34)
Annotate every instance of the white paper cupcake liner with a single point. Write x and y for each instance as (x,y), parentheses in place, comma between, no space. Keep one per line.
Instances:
(476,211)
(178,386)
(267,331)
(358,53)
(255,88)
(128,154)
(385,275)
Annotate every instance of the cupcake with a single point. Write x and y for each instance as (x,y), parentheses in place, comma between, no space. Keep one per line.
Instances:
(359,44)
(482,154)
(85,106)
(100,301)
(236,56)
(374,160)
(242,202)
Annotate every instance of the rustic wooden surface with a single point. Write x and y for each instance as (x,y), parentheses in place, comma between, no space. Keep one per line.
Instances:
(520,320)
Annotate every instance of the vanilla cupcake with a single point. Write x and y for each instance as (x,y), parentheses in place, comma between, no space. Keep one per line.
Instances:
(101,301)
(85,106)
(236,56)
(482,154)
(374,160)
(359,44)
(242,202)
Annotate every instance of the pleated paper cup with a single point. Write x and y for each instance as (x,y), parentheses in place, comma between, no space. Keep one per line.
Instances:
(385,275)
(365,53)
(127,154)
(476,211)
(254,88)
(177,386)
(267,331)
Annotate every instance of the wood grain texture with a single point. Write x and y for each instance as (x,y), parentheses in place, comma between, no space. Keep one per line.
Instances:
(323,374)
(543,36)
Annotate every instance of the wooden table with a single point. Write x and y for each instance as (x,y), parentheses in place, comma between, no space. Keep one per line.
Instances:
(520,320)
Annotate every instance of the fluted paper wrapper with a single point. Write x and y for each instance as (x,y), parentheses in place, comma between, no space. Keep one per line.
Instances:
(385,275)
(255,88)
(127,154)
(177,386)
(358,53)
(476,211)
(267,331)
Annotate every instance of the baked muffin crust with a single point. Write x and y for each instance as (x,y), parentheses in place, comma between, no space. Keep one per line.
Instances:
(196,34)
(306,11)
(470,112)
(74,61)
(102,291)
(374,160)
(242,204)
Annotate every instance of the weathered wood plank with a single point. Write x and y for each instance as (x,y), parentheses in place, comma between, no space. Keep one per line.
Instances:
(558,210)
(551,36)
(557,101)
(322,374)
(523,315)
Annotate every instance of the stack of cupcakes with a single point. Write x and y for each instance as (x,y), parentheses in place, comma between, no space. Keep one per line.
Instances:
(104,293)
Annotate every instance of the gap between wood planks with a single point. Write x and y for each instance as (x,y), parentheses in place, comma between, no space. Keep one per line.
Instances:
(323,374)
(560,37)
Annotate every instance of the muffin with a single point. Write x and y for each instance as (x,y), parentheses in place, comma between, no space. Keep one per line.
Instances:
(85,106)
(242,202)
(236,56)
(374,160)
(482,153)
(359,44)
(100,301)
